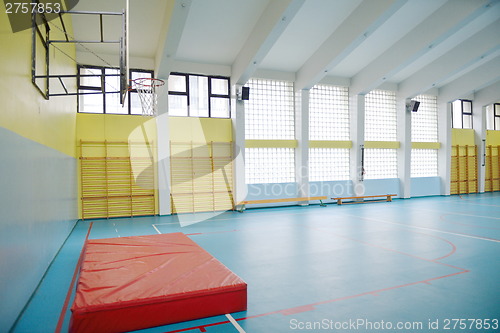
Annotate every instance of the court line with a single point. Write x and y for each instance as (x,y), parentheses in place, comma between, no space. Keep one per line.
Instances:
(235,324)
(464,214)
(158,231)
(430,229)
(70,289)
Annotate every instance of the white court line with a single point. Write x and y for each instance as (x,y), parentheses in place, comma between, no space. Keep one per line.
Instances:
(430,229)
(158,231)
(235,324)
(454,213)
(166,223)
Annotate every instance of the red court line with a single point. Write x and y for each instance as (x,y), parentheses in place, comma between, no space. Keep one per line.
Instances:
(70,289)
(311,307)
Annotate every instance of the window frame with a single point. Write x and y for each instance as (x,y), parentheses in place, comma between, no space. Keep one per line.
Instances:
(496,107)
(102,89)
(463,113)
(211,95)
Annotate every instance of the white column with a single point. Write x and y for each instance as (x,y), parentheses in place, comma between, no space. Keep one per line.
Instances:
(302,137)
(444,153)
(479,124)
(163,146)
(357,113)
(404,151)
(238,121)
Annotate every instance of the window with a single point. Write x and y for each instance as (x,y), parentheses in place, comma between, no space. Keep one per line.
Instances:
(269,165)
(380,125)
(327,164)
(329,113)
(424,123)
(424,162)
(380,116)
(493,117)
(100,92)
(269,114)
(191,95)
(381,163)
(461,113)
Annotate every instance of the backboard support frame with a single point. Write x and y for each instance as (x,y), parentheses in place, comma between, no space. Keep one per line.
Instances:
(41,36)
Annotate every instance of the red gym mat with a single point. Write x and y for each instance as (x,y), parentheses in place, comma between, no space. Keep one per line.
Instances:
(132,283)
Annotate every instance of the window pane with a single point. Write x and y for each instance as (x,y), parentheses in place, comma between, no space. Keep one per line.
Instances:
(456,108)
(497,123)
(467,119)
(219,107)
(467,106)
(329,113)
(220,86)
(381,163)
(424,123)
(91,103)
(135,103)
(177,105)
(113,104)
(424,162)
(327,164)
(497,109)
(270,113)
(269,165)
(91,81)
(198,96)
(138,74)
(177,83)
(380,116)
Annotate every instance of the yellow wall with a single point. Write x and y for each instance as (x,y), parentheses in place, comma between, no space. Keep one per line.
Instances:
(493,138)
(462,137)
(199,130)
(116,128)
(23,109)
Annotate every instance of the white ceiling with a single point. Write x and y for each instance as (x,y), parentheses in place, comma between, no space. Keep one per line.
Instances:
(415,45)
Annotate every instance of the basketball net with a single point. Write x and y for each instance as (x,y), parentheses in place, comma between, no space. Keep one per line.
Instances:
(148,89)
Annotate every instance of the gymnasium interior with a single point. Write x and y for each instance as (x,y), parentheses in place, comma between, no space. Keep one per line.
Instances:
(249,166)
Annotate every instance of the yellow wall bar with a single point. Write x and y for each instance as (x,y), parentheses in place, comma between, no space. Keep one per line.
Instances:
(270,143)
(425,145)
(330,144)
(382,144)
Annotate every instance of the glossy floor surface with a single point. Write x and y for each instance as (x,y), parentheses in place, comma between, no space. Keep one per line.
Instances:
(417,265)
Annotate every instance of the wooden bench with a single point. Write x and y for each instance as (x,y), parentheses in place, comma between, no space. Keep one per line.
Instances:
(388,197)
(264,201)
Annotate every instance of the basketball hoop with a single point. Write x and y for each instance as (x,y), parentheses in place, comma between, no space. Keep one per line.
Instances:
(147,89)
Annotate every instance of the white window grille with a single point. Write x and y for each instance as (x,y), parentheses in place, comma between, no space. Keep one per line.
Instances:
(380,163)
(424,123)
(269,165)
(424,162)
(329,113)
(380,116)
(269,114)
(328,164)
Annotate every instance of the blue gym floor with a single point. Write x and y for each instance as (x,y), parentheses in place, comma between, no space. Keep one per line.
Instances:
(419,265)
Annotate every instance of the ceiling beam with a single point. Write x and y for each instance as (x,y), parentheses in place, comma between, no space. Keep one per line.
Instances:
(476,80)
(356,28)
(275,18)
(435,29)
(472,50)
(488,95)
(174,21)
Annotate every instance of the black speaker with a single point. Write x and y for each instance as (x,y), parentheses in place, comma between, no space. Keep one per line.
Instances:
(245,93)
(414,106)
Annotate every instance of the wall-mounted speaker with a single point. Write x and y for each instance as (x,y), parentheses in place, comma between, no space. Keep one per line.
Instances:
(413,106)
(245,93)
